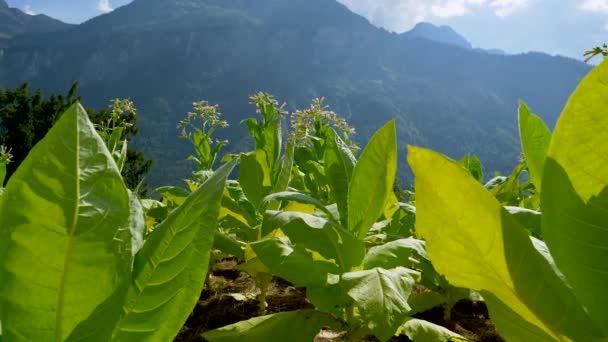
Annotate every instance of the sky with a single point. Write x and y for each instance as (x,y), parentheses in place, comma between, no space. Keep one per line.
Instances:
(565,27)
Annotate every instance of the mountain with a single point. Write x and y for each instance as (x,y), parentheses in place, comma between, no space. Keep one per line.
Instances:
(13,22)
(165,54)
(440,34)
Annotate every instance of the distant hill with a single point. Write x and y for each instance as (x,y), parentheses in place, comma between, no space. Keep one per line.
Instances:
(165,54)
(13,22)
(440,34)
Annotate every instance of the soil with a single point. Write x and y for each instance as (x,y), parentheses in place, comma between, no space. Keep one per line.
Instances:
(229,297)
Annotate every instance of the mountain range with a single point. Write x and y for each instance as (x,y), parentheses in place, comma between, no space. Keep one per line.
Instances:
(14,22)
(166,54)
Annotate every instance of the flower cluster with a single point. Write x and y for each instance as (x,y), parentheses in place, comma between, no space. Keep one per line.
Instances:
(5,155)
(304,121)
(207,115)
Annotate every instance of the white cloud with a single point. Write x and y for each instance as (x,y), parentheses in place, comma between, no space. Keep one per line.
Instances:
(450,9)
(402,15)
(104,6)
(397,15)
(595,6)
(505,8)
(28,10)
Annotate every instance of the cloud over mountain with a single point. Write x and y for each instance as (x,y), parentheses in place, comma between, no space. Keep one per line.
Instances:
(402,15)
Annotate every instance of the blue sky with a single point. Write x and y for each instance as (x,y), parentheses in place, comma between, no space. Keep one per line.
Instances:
(566,27)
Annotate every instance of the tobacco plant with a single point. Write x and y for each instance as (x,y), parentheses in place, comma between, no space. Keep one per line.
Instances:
(74,264)
(323,248)
(536,291)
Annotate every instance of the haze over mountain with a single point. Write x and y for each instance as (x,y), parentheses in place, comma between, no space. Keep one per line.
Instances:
(165,54)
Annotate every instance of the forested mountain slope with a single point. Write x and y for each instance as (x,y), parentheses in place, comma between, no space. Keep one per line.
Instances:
(165,54)
(13,22)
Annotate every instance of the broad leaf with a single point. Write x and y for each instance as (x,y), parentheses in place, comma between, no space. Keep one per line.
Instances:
(339,165)
(294,263)
(283,177)
(535,139)
(476,244)
(529,219)
(424,301)
(575,194)
(65,237)
(393,254)
(170,269)
(173,195)
(381,296)
(293,326)
(372,181)
(254,176)
(98,326)
(295,197)
(229,245)
(319,235)
(419,330)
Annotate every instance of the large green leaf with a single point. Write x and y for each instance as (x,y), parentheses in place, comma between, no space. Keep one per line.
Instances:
(254,176)
(477,244)
(535,139)
(381,296)
(372,181)
(293,326)
(575,194)
(530,219)
(291,196)
(98,326)
(419,330)
(65,237)
(339,165)
(272,142)
(171,267)
(393,254)
(319,235)
(294,263)
(281,183)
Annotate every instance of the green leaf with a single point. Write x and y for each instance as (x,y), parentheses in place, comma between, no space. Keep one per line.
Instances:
(476,244)
(575,195)
(65,237)
(329,298)
(173,195)
(254,176)
(509,192)
(317,234)
(372,181)
(284,176)
(98,326)
(339,165)
(381,296)
(293,326)
(293,263)
(121,157)
(530,219)
(535,139)
(291,196)
(114,138)
(229,245)
(419,330)
(425,301)
(393,254)
(272,142)
(2,174)
(170,269)
(473,164)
